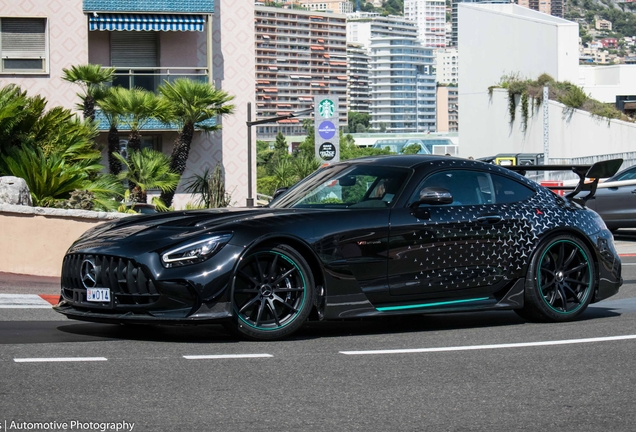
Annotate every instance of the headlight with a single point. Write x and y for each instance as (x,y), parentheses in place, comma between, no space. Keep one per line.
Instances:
(194,252)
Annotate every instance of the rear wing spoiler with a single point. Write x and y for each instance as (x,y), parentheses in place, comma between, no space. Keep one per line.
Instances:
(593,172)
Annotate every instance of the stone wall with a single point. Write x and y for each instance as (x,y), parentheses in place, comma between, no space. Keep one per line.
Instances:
(33,240)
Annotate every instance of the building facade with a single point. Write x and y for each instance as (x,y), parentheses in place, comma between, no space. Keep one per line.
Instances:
(447,66)
(362,26)
(551,7)
(447,109)
(430,18)
(147,42)
(299,54)
(358,95)
(402,82)
(335,6)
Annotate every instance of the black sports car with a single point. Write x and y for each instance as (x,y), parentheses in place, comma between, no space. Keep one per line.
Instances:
(378,236)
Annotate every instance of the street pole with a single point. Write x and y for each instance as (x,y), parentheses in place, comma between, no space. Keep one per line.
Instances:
(250,198)
(250,123)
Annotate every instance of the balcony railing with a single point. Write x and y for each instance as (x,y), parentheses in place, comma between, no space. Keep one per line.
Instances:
(150,78)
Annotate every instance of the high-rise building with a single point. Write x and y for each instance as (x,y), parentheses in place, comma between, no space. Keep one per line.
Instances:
(551,7)
(401,73)
(299,54)
(358,96)
(402,83)
(335,6)
(362,26)
(447,66)
(430,18)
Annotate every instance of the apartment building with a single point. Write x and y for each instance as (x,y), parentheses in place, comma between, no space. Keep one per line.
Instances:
(447,65)
(447,109)
(147,42)
(401,72)
(551,7)
(402,83)
(299,54)
(335,6)
(430,18)
(358,95)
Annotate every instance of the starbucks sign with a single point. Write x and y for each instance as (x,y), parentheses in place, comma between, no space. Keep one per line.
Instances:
(327,138)
(326,108)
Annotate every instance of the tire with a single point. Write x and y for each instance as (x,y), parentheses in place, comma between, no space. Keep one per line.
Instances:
(273,293)
(563,280)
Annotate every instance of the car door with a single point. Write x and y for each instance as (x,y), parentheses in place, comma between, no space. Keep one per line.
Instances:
(435,250)
(617,203)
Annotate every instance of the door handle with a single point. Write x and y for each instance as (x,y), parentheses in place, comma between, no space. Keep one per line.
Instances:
(489,219)
(634,191)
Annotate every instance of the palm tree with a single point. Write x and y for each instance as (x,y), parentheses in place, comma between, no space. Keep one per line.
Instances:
(91,78)
(147,169)
(192,103)
(112,112)
(136,107)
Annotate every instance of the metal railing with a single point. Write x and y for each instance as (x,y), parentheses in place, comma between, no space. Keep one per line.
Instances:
(151,78)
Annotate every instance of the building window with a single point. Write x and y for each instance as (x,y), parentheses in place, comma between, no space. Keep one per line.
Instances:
(23,45)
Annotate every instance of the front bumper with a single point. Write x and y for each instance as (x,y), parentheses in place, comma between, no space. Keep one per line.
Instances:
(206,314)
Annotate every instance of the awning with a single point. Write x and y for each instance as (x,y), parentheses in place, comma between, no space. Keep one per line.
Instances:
(146,22)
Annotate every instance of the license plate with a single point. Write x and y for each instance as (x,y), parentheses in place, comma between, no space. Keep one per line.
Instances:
(98,294)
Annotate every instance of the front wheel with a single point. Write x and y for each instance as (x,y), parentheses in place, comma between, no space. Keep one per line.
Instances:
(563,281)
(273,293)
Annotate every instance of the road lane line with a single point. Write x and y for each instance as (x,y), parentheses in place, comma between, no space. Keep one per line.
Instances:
(225,356)
(484,347)
(59,359)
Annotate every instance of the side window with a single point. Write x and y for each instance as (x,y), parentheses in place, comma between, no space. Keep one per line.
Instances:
(509,191)
(466,187)
(23,45)
(628,175)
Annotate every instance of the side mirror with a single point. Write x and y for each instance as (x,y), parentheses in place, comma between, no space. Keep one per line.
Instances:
(278,192)
(434,196)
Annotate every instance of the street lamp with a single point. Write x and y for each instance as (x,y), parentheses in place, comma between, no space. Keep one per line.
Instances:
(250,123)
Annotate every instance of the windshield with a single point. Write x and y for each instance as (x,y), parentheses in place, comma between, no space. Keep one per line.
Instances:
(346,186)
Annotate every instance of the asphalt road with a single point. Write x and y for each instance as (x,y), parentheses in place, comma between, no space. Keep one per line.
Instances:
(464,372)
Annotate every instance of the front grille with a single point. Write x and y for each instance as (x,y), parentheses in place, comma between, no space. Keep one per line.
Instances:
(128,282)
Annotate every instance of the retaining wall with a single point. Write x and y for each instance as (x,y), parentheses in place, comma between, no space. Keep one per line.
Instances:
(33,240)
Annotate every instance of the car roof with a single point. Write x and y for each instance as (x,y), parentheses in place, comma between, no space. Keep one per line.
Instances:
(403,161)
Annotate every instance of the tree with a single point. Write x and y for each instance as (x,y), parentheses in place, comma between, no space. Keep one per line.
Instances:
(91,79)
(146,169)
(358,122)
(136,107)
(112,112)
(191,103)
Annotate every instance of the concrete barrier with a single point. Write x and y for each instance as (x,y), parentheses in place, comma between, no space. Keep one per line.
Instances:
(33,240)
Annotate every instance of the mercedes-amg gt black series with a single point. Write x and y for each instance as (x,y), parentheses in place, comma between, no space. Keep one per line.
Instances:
(378,236)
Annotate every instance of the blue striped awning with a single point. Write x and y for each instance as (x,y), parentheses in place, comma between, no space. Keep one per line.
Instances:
(146,22)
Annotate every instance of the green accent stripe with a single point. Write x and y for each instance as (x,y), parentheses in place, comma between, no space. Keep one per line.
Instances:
(392,308)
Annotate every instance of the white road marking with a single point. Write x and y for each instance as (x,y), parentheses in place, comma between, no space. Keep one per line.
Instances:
(225,356)
(483,347)
(23,301)
(59,359)
(628,264)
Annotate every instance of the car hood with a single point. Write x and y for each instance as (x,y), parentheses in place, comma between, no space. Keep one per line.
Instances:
(145,233)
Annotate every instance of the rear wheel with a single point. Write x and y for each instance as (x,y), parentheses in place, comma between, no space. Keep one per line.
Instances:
(563,281)
(273,293)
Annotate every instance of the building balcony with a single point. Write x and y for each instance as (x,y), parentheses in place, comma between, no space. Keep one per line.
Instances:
(151,78)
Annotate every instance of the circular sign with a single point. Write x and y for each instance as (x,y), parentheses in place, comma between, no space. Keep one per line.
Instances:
(327,151)
(326,108)
(326,130)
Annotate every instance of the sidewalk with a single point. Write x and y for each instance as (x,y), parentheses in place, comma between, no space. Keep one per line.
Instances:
(28,284)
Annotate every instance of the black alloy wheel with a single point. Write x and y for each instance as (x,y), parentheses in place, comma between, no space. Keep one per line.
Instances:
(564,278)
(273,293)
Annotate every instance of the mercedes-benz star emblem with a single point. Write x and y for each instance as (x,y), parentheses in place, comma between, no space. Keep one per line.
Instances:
(88,275)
